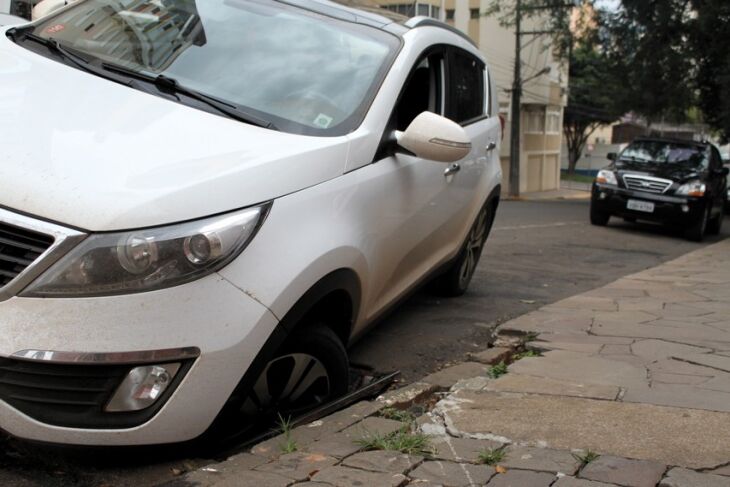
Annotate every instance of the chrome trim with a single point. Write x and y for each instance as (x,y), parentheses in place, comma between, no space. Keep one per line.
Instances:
(639,178)
(64,239)
(141,357)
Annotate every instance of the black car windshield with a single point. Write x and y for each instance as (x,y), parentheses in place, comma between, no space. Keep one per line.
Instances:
(663,152)
(306,73)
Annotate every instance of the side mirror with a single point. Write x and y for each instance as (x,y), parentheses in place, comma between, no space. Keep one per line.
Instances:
(433,137)
(723,171)
(611,156)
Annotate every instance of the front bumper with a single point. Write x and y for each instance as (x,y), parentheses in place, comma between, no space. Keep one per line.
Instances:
(226,325)
(670,210)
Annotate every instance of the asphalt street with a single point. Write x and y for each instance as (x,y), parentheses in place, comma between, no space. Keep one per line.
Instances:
(538,253)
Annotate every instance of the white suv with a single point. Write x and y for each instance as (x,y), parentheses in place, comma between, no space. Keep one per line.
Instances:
(202,203)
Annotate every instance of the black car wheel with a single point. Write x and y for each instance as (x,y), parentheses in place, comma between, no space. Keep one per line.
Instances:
(714,226)
(455,281)
(599,218)
(696,232)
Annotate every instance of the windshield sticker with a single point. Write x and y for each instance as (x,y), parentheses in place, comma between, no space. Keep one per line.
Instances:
(323,121)
(55,28)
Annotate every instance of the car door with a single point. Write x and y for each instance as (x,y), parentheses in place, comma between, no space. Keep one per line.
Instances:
(414,197)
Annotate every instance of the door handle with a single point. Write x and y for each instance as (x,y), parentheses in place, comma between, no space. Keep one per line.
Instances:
(452,169)
(491,146)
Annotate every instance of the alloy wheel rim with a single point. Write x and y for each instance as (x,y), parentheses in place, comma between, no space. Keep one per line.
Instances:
(289,384)
(474,245)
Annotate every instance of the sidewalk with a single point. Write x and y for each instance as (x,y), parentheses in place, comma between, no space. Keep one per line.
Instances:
(569,190)
(632,389)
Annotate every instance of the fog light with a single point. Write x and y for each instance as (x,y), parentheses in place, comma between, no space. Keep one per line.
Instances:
(141,387)
(602,195)
(685,208)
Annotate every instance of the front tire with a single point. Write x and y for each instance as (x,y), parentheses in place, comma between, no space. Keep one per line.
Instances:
(696,232)
(714,226)
(455,281)
(599,218)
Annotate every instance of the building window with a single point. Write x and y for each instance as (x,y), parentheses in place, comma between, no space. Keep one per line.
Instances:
(435,11)
(449,14)
(474,13)
(552,123)
(535,120)
(411,10)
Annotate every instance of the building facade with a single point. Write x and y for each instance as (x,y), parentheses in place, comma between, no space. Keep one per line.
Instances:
(543,97)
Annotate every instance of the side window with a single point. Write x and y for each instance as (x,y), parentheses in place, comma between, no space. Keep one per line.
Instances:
(466,87)
(716,159)
(423,91)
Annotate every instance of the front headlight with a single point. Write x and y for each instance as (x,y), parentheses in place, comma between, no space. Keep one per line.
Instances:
(692,188)
(144,260)
(606,177)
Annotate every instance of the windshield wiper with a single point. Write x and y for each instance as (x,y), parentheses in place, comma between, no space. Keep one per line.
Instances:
(171,86)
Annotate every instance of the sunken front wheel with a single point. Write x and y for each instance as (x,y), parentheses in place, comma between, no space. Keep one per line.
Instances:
(310,369)
(455,281)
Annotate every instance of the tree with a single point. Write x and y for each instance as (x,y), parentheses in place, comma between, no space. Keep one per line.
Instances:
(592,98)
(648,43)
(710,30)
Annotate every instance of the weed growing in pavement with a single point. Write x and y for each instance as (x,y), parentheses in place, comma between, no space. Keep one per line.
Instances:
(531,336)
(586,456)
(403,440)
(491,456)
(525,354)
(289,445)
(498,370)
(397,415)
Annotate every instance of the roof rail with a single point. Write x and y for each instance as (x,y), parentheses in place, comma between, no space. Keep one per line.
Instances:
(423,21)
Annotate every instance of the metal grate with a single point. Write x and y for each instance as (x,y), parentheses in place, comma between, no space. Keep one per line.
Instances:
(19,248)
(647,184)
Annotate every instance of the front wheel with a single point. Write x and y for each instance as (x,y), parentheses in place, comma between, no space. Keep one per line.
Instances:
(455,281)
(599,218)
(714,226)
(696,231)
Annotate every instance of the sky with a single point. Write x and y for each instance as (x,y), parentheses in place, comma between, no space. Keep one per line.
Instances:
(608,4)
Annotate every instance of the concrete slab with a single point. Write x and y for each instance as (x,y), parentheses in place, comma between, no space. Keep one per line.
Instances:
(541,459)
(451,474)
(522,478)
(623,471)
(681,477)
(449,376)
(673,436)
(514,382)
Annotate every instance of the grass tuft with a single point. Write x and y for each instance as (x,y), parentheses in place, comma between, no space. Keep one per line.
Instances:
(397,415)
(497,370)
(586,457)
(491,456)
(402,440)
(289,445)
(525,354)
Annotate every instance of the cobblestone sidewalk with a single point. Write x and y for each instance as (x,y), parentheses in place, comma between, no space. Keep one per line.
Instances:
(632,389)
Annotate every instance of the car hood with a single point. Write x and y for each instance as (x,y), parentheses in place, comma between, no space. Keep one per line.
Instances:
(90,153)
(674,172)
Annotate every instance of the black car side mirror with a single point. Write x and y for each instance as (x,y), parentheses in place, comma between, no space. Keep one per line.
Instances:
(723,171)
(611,156)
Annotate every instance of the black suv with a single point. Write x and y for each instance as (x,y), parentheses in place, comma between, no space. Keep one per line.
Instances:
(676,182)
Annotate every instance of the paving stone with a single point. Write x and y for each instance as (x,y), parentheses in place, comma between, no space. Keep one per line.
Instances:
(298,465)
(383,461)
(541,459)
(269,449)
(681,477)
(724,470)
(624,471)
(372,426)
(583,302)
(238,478)
(522,478)
(461,449)
(351,477)
(449,376)
(514,382)
(575,482)
(452,474)
(338,445)
(491,356)
(407,396)
(473,384)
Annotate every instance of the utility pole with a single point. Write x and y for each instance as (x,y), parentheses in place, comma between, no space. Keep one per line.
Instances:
(514,153)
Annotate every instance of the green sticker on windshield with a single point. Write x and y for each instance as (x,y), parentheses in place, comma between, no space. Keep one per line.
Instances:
(323,121)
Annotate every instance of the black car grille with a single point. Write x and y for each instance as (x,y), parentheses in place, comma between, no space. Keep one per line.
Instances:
(72,395)
(18,249)
(649,185)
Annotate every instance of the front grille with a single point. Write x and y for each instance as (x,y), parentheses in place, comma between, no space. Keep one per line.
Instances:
(72,395)
(646,184)
(18,249)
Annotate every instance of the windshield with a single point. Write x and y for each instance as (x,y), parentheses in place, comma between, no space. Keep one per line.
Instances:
(660,152)
(304,72)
